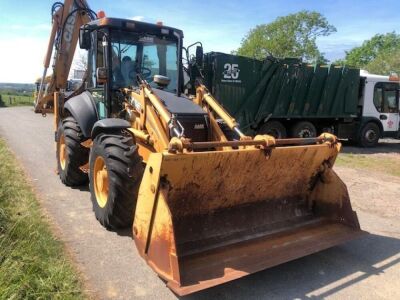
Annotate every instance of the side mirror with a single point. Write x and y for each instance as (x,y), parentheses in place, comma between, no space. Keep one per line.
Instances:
(84,38)
(101,75)
(199,56)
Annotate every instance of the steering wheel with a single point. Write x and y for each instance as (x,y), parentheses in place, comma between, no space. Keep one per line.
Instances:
(146,73)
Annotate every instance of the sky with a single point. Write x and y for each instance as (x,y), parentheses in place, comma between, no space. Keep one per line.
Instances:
(220,25)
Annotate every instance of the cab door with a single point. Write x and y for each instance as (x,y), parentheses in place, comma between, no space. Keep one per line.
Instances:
(98,90)
(386,100)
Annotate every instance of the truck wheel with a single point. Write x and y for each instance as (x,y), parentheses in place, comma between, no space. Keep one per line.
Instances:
(70,153)
(369,135)
(274,128)
(116,171)
(303,129)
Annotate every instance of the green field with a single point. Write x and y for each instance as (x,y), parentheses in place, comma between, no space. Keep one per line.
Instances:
(15,100)
(33,263)
(387,165)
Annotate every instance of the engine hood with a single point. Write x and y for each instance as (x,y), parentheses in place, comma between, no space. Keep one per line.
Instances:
(179,105)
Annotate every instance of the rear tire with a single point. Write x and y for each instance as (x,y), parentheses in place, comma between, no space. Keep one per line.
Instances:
(369,135)
(116,172)
(273,128)
(303,129)
(70,153)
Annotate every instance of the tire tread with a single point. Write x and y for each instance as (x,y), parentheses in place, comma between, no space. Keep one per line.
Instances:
(78,155)
(121,156)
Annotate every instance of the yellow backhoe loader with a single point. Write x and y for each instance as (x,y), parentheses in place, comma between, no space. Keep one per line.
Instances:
(204,208)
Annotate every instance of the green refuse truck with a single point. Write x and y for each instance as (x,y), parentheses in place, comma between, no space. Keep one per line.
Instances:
(290,98)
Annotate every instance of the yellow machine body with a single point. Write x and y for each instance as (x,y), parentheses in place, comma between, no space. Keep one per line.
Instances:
(207,211)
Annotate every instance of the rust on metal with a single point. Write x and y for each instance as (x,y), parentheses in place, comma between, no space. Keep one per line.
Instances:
(217,216)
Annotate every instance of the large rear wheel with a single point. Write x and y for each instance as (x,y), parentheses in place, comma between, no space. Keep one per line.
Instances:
(303,129)
(116,170)
(71,155)
(273,128)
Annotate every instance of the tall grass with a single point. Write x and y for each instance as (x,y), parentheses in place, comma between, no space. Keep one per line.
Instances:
(33,264)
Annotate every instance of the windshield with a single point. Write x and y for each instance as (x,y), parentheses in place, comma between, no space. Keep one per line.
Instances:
(134,53)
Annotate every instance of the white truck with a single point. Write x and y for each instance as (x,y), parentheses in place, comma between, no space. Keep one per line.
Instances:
(379,101)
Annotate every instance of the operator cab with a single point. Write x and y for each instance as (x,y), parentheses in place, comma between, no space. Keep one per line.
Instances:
(119,50)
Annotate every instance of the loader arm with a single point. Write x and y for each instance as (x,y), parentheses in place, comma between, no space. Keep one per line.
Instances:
(154,121)
(67,18)
(204,98)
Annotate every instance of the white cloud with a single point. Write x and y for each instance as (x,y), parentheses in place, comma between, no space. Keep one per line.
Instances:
(137,18)
(21,59)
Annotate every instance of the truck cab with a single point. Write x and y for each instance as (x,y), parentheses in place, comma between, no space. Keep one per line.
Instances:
(380,104)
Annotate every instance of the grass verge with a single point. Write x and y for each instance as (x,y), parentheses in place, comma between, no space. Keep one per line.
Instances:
(33,264)
(387,165)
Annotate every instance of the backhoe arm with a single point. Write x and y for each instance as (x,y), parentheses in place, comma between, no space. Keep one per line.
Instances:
(67,18)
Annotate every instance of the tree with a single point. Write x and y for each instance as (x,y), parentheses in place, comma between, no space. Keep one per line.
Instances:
(291,36)
(385,63)
(81,60)
(380,46)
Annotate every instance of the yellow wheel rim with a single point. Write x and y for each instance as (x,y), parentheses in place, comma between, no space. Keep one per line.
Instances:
(63,152)
(100,181)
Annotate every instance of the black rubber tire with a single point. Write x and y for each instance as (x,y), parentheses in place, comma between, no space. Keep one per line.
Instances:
(125,171)
(76,154)
(303,129)
(274,128)
(369,135)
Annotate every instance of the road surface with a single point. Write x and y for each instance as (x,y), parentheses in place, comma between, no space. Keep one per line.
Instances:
(367,268)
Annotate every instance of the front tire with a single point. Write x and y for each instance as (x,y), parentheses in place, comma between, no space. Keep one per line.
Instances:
(71,155)
(369,135)
(116,171)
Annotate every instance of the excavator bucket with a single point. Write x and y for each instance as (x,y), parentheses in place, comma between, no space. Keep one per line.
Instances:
(205,218)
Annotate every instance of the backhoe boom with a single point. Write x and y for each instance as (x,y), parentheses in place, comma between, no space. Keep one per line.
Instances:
(67,18)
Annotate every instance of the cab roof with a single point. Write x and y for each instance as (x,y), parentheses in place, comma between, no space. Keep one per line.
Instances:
(380,78)
(136,26)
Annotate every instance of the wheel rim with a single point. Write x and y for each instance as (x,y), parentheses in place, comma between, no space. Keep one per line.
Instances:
(63,152)
(100,181)
(305,133)
(370,135)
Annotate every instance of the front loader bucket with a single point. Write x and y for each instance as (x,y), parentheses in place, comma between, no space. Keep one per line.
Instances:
(206,218)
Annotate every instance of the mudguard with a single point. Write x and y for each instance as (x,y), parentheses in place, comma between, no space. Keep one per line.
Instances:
(83,109)
(106,124)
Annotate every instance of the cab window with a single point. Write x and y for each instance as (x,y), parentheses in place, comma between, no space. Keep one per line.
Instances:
(141,54)
(386,97)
